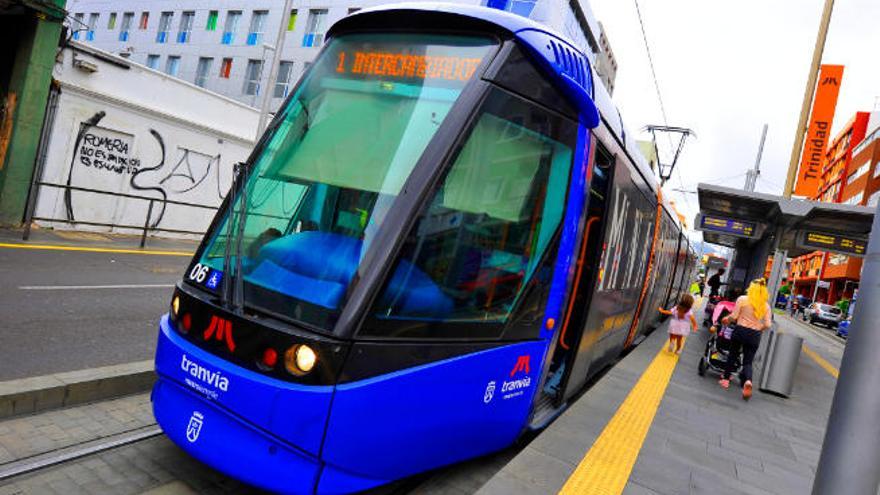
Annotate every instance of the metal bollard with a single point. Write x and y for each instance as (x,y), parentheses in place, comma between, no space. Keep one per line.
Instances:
(147,224)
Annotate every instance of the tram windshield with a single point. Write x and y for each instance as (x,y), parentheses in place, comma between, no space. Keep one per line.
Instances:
(343,147)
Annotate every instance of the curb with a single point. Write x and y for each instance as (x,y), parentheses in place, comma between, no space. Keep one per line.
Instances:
(39,393)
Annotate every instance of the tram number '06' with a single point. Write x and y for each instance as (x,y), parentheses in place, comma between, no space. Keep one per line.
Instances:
(199,273)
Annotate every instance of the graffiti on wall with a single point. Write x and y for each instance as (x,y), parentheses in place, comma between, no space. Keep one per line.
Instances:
(106,149)
(183,174)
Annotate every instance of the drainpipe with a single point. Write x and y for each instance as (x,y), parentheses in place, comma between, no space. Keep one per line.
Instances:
(40,165)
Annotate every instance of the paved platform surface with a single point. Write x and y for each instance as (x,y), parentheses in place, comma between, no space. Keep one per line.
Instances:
(66,310)
(703,439)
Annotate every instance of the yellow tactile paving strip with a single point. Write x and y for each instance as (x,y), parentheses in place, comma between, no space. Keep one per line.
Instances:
(54,247)
(606,467)
(825,365)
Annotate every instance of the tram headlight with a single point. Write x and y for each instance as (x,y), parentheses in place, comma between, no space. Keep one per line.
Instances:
(300,359)
(175,306)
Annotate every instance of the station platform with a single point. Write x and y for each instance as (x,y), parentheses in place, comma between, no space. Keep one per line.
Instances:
(652,425)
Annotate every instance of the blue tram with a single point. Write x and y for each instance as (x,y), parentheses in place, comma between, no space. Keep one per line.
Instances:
(443,234)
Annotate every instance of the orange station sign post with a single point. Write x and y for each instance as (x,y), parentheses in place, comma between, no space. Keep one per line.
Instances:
(819,130)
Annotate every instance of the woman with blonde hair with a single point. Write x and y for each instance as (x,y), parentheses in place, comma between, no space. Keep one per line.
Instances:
(752,316)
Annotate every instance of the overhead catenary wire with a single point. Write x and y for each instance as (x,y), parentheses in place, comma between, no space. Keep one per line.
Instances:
(659,93)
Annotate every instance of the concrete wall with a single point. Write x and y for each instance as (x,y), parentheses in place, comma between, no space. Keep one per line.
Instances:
(160,138)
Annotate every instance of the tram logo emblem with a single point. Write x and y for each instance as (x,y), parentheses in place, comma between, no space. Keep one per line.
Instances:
(522,364)
(220,329)
(490,392)
(194,427)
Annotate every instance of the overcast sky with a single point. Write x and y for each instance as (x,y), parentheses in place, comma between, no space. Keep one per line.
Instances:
(726,68)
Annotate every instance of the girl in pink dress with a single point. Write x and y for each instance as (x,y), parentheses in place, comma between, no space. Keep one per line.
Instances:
(682,322)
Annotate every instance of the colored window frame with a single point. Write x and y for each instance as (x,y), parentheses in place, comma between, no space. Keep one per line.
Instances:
(232,18)
(211,25)
(164,27)
(291,21)
(111,21)
(144,23)
(225,68)
(258,24)
(127,19)
(184,30)
(315,28)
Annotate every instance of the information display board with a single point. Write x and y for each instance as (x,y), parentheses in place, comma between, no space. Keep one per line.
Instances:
(724,225)
(823,241)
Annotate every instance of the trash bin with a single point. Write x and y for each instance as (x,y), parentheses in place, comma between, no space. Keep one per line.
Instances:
(783,353)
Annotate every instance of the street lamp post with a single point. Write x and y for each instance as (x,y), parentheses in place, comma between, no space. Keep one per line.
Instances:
(850,452)
(273,69)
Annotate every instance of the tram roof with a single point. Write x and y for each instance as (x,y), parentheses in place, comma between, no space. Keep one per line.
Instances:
(770,212)
(514,24)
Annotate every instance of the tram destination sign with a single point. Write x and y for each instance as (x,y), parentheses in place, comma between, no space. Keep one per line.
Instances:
(731,226)
(824,241)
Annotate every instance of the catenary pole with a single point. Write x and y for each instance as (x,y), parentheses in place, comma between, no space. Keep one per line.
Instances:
(851,452)
(273,69)
(808,99)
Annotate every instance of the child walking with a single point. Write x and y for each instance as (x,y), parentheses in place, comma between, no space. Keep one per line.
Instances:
(681,323)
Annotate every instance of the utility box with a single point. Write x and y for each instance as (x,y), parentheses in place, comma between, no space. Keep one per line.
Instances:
(783,353)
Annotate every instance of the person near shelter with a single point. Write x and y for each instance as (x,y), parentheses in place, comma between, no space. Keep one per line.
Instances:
(715,282)
(681,323)
(752,316)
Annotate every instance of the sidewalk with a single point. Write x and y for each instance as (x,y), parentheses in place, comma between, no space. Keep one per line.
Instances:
(702,439)
(75,238)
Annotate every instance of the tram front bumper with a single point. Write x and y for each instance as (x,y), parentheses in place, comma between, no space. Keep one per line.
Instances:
(223,441)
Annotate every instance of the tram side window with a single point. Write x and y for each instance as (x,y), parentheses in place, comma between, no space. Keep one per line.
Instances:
(482,235)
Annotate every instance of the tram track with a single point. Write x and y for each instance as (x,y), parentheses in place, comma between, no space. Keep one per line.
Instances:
(57,457)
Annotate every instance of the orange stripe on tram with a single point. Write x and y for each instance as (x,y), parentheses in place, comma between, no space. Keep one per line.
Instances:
(657,219)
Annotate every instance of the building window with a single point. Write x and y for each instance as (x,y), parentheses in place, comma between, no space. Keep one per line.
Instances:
(225,68)
(153,61)
(184,32)
(291,21)
(78,25)
(282,83)
(231,26)
(145,21)
(202,71)
(111,21)
(127,18)
(93,21)
(876,169)
(164,27)
(258,22)
(212,21)
(858,173)
(856,199)
(873,198)
(315,28)
(252,77)
(172,65)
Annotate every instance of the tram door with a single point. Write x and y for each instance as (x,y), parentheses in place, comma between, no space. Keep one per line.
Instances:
(566,352)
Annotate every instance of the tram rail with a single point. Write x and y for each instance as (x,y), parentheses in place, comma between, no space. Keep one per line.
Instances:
(71,453)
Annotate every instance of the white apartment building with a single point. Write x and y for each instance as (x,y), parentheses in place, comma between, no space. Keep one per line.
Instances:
(224,45)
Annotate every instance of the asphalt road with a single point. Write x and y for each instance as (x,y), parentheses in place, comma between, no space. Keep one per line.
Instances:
(55,316)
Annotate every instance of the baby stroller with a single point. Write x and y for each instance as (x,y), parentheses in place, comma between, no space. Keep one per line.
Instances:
(718,347)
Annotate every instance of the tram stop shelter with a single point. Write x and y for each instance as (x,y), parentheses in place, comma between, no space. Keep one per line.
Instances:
(757,225)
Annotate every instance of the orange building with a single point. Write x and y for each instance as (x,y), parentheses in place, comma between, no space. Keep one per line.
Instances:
(848,176)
